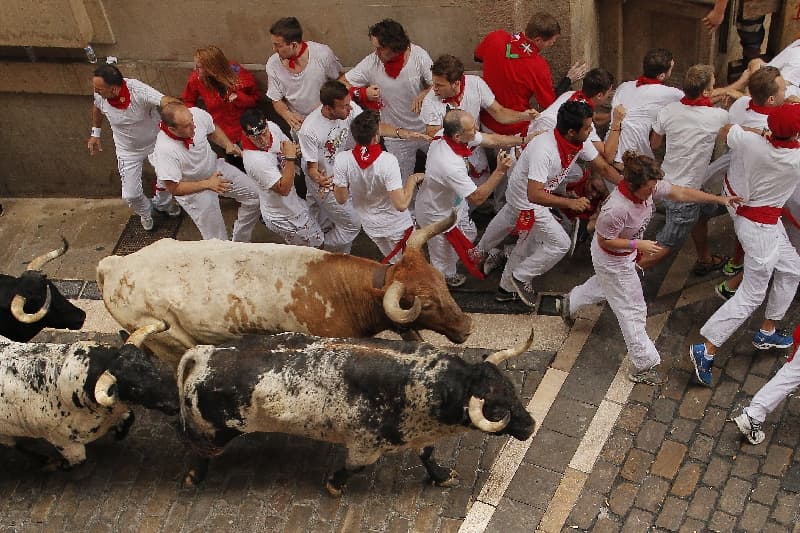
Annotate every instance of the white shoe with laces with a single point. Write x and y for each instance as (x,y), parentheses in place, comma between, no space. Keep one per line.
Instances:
(147,223)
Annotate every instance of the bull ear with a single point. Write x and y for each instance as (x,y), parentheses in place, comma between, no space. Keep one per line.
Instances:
(18,308)
(141,334)
(480,420)
(498,357)
(105,390)
(391,304)
(38,262)
(421,235)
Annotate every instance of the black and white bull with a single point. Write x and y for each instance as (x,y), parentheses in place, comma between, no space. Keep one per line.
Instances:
(211,292)
(73,394)
(374,396)
(31,302)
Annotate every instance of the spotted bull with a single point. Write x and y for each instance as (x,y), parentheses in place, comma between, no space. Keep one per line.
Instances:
(210,292)
(73,394)
(31,302)
(374,396)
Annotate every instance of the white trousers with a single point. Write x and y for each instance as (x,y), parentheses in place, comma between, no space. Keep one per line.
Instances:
(387,244)
(301,230)
(406,153)
(792,231)
(203,207)
(544,246)
(775,391)
(130,172)
(498,229)
(616,282)
(767,250)
(345,220)
(443,257)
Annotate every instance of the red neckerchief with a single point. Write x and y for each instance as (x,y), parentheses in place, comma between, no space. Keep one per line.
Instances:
(123,99)
(247,144)
(460,149)
(456,98)
(701,101)
(366,155)
(644,80)
(520,46)
(580,96)
(626,192)
(762,109)
(566,150)
(783,143)
(186,142)
(294,58)
(394,65)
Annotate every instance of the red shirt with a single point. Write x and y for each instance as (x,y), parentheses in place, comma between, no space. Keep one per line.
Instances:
(513,81)
(225,113)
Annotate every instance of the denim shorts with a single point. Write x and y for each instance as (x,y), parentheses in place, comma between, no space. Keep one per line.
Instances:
(681,218)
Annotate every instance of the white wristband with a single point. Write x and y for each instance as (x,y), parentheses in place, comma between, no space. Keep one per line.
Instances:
(96,132)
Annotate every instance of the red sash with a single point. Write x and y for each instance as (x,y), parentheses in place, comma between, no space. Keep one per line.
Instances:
(123,99)
(731,192)
(616,253)
(462,246)
(763,215)
(399,247)
(525,221)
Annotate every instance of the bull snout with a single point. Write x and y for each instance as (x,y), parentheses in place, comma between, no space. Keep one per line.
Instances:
(460,334)
(521,426)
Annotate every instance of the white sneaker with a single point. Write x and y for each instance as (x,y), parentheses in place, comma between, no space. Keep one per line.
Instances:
(173,209)
(147,223)
(456,280)
(750,428)
(494,260)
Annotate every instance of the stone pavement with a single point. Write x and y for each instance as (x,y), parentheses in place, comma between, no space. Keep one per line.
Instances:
(607,455)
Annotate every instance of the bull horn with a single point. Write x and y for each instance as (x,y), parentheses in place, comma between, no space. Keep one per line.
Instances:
(421,235)
(18,308)
(498,357)
(105,390)
(141,334)
(38,262)
(480,421)
(391,304)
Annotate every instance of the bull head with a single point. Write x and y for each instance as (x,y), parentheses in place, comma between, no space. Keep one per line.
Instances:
(105,390)
(18,303)
(476,404)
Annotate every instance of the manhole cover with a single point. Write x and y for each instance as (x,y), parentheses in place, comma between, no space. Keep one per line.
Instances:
(134,237)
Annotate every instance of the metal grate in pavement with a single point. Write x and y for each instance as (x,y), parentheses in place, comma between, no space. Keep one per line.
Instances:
(134,237)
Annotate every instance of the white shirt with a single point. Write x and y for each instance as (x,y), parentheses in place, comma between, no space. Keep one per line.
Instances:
(446,185)
(370,188)
(642,105)
(301,90)
(135,128)
(540,162)
(321,138)
(739,114)
(546,120)
(477,95)
(174,162)
(621,218)
(788,62)
(264,167)
(772,173)
(691,132)
(398,93)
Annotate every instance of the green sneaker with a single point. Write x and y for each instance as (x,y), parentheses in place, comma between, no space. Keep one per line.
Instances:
(730,269)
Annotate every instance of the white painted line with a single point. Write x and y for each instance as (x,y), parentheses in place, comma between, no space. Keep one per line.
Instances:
(478,518)
(596,435)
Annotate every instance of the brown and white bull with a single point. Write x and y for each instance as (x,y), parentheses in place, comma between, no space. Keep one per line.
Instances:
(210,292)
(73,394)
(31,302)
(374,396)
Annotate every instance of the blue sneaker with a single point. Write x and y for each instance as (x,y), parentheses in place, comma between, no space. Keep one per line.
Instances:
(702,366)
(776,339)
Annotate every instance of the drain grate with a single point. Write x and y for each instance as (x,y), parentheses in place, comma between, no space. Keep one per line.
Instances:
(134,237)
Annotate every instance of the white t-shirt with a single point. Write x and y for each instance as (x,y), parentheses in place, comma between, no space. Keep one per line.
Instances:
(620,218)
(370,188)
(739,114)
(446,185)
(135,128)
(264,167)
(321,138)
(788,62)
(301,90)
(477,95)
(546,120)
(642,104)
(174,162)
(540,162)
(398,93)
(772,173)
(691,132)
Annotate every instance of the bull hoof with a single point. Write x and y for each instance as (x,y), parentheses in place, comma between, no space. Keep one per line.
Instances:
(336,492)
(452,481)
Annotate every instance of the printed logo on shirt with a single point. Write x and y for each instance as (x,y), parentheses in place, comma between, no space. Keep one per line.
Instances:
(554,181)
(336,139)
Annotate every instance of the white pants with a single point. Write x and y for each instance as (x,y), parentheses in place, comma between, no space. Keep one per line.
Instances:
(498,229)
(616,282)
(775,391)
(767,250)
(345,220)
(792,231)
(302,230)
(716,171)
(130,172)
(406,153)
(443,257)
(387,244)
(203,207)
(544,246)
